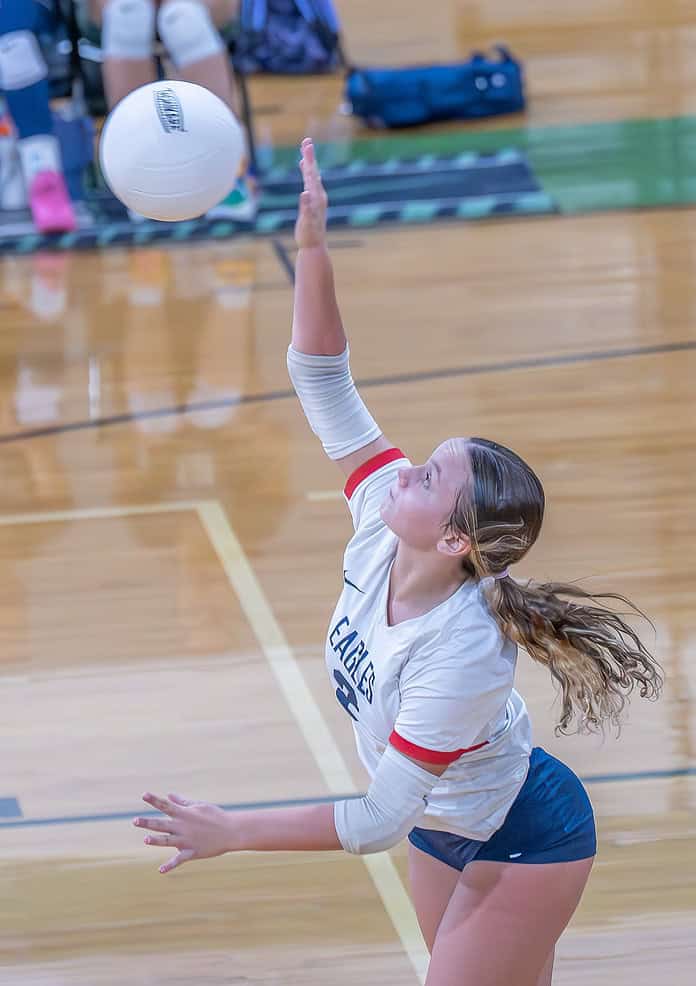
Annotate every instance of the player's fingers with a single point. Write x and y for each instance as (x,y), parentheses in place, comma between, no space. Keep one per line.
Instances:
(311,168)
(311,176)
(178,800)
(306,153)
(308,182)
(159,840)
(154,824)
(315,177)
(161,804)
(181,857)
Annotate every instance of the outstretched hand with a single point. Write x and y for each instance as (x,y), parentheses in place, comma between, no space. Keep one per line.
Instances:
(310,228)
(198,830)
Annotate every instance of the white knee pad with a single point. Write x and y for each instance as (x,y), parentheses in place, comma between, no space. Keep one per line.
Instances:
(187,31)
(128,29)
(21,61)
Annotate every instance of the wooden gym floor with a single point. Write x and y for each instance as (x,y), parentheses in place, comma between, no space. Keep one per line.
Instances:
(167,575)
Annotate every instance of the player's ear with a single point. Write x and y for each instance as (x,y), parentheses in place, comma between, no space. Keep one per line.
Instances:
(454,544)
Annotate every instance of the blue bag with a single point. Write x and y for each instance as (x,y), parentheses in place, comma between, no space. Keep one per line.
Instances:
(287,37)
(406,97)
(75,133)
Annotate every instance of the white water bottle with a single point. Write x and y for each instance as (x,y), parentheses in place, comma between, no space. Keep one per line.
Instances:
(13,192)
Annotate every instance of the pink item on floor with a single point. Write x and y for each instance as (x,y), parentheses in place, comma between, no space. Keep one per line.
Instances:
(50,204)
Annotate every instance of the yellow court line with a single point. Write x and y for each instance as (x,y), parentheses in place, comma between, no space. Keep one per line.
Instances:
(290,679)
(95,513)
(309,718)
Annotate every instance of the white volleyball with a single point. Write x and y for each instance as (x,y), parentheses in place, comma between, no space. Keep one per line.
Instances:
(171,150)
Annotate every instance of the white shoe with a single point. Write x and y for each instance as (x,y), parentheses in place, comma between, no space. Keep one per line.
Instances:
(241,203)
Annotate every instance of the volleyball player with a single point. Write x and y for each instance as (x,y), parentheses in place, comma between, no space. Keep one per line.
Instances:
(421,653)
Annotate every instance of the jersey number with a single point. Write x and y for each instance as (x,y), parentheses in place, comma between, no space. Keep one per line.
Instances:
(345,693)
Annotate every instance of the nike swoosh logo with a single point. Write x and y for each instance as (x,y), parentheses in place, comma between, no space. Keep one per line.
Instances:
(348,582)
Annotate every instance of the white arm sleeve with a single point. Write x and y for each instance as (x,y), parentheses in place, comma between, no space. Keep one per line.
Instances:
(395,802)
(332,405)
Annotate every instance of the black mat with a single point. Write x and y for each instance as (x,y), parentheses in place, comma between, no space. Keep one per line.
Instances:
(362,194)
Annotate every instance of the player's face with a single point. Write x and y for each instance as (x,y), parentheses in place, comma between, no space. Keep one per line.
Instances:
(421,499)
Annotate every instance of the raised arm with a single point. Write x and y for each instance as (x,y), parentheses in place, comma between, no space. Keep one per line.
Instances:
(318,354)
(317,328)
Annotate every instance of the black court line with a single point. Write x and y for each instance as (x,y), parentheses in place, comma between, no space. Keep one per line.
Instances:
(124,815)
(284,258)
(639,775)
(477,369)
(284,254)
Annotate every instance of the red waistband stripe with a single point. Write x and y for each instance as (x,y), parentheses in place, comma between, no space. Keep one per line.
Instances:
(429,756)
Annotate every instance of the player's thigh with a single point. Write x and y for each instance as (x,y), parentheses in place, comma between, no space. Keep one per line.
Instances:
(432,884)
(503,921)
(222,12)
(95,9)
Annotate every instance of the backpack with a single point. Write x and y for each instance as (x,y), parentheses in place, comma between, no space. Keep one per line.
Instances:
(407,97)
(287,37)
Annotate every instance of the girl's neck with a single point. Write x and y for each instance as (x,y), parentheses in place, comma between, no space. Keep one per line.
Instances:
(421,580)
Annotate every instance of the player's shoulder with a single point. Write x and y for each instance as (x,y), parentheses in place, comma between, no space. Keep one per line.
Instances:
(464,637)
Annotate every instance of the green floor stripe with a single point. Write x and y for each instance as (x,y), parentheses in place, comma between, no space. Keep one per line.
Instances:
(505,156)
(533,202)
(269,222)
(476,208)
(467,158)
(419,212)
(28,243)
(68,240)
(365,215)
(183,230)
(106,236)
(222,230)
(584,167)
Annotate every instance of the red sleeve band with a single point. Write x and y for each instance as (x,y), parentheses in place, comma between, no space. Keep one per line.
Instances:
(429,756)
(367,468)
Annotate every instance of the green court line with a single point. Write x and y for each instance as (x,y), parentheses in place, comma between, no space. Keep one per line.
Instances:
(585,167)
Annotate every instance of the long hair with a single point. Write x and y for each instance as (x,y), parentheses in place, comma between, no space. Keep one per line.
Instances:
(596,658)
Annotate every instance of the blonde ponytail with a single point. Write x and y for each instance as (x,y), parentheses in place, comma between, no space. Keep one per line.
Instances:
(593,654)
(595,657)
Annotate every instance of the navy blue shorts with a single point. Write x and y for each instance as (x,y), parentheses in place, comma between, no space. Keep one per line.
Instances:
(550,821)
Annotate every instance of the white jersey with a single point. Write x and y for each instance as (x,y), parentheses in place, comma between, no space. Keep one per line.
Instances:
(438,687)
